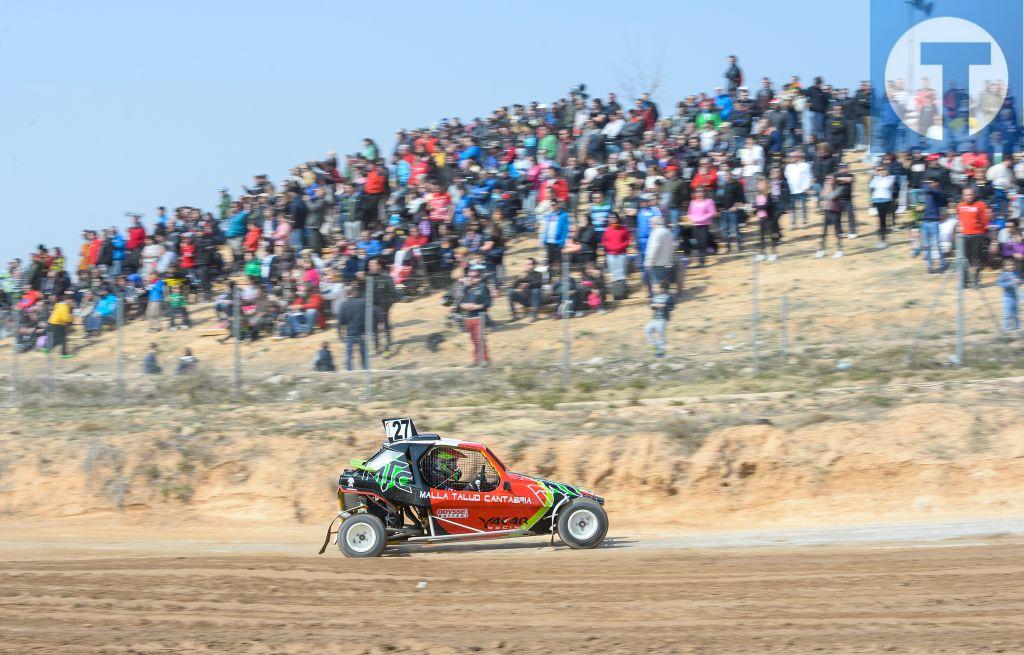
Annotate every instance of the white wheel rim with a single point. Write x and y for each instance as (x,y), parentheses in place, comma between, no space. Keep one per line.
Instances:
(583,524)
(361,538)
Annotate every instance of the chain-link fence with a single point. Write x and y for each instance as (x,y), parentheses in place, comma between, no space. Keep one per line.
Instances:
(537,321)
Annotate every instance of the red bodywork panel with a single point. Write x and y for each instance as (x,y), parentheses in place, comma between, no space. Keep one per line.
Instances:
(511,506)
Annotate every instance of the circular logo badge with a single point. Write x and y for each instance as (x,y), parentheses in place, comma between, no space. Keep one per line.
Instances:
(920,95)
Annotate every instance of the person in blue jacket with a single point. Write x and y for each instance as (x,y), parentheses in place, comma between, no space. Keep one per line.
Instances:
(554,230)
(648,210)
(104,313)
(117,243)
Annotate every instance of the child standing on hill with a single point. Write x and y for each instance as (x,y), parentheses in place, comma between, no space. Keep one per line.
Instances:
(662,305)
(1009,281)
(178,304)
(60,319)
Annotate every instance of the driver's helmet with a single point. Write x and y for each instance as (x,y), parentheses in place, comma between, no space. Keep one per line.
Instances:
(446,465)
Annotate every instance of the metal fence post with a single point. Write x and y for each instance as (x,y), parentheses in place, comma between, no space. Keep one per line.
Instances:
(15,361)
(481,334)
(49,363)
(566,344)
(237,329)
(120,347)
(368,336)
(784,321)
(961,271)
(756,316)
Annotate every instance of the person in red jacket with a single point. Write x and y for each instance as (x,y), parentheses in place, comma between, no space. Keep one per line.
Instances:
(304,312)
(375,189)
(552,187)
(252,239)
(187,258)
(95,246)
(616,243)
(136,234)
(706,176)
(973,215)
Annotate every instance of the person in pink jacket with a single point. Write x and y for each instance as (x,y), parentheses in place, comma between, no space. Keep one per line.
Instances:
(702,211)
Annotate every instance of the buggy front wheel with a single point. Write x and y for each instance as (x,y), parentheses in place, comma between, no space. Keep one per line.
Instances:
(583,523)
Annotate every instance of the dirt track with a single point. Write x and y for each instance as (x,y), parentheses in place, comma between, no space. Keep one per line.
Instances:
(517,597)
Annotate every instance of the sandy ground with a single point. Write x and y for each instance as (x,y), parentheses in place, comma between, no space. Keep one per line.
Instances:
(522,597)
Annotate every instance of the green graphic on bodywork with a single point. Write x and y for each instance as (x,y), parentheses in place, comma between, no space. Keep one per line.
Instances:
(550,490)
(394,476)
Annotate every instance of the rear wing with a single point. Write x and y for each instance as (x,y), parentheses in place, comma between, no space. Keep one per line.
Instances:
(397,429)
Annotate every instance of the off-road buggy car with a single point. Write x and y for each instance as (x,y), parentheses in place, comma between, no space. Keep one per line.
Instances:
(424,488)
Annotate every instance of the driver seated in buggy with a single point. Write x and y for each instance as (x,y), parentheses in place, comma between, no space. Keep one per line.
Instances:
(443,471)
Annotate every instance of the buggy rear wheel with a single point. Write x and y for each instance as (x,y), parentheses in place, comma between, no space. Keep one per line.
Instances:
(362,535)
(583,523)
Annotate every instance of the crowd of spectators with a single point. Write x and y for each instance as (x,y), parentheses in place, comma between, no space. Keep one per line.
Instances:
(613,191)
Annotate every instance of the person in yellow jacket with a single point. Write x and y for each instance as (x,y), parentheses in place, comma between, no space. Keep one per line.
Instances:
(57,324)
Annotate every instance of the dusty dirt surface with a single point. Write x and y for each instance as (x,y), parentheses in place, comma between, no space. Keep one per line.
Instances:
(522,597)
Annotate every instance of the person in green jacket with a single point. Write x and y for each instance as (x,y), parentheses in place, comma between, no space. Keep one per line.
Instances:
(547,144)
(177,301)
(253,269)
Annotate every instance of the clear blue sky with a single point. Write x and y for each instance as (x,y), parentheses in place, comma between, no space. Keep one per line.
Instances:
(121,106)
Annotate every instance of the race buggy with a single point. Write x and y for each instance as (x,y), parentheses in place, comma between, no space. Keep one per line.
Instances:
(424,488)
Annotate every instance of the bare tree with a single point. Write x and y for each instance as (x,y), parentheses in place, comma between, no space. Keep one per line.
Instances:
(641,77)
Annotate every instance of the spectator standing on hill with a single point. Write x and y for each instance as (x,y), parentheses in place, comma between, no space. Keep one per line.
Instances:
(729,200)
(554,230)
(659,256)
(154,305)
(474,305)
(973,216)
(177,303)
(384,297)
(662,305)
(352,325)
(57,325)
(766,211)
(700,214)
(1009,281)
(616,244)
(733,75)
(881,186)
(799,179)
(831,194)
(935,202)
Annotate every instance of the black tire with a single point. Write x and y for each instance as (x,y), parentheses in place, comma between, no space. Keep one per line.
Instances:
(362,535)
(582,523)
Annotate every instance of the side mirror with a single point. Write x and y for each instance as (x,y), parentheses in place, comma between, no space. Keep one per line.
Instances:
(507,486)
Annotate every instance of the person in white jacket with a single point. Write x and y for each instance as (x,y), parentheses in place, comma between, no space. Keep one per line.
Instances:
(798,177)
(752,163)
(659,257)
